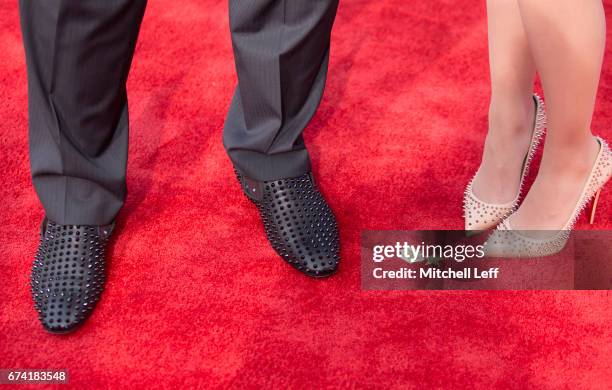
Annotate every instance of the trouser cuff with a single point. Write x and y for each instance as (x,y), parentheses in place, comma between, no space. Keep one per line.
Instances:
(264,167)
(72,201)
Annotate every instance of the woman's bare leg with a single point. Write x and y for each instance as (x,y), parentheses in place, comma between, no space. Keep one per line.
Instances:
(511,111)
(567,39)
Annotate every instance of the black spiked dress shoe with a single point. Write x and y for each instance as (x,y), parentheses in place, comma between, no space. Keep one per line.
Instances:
(298,222)
(68,274)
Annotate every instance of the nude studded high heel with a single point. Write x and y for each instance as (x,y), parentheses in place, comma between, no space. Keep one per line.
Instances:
(480,215)
(506,242)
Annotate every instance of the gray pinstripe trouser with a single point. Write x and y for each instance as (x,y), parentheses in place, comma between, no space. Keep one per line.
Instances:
(78,56)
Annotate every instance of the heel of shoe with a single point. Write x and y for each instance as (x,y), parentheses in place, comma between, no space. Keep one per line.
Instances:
(594,207)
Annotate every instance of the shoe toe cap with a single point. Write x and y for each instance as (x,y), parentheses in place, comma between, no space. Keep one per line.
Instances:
(503,243)
(58,326)
(318,267)
(63,313)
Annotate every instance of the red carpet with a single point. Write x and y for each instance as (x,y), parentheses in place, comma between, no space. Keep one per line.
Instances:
(196,296)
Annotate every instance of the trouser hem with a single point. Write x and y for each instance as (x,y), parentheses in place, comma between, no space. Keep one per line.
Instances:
(264,167)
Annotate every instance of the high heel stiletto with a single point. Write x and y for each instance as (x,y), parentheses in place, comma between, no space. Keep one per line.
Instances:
(594,207)
(506,242)
(480,215)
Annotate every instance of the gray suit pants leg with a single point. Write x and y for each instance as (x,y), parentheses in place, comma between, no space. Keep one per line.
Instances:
(281,49)
(78,54)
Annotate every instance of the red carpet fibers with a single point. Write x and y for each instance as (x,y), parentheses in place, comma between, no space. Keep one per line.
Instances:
(196,296)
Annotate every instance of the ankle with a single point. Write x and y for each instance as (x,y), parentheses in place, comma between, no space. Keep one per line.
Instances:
(570,159)
(507,120)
